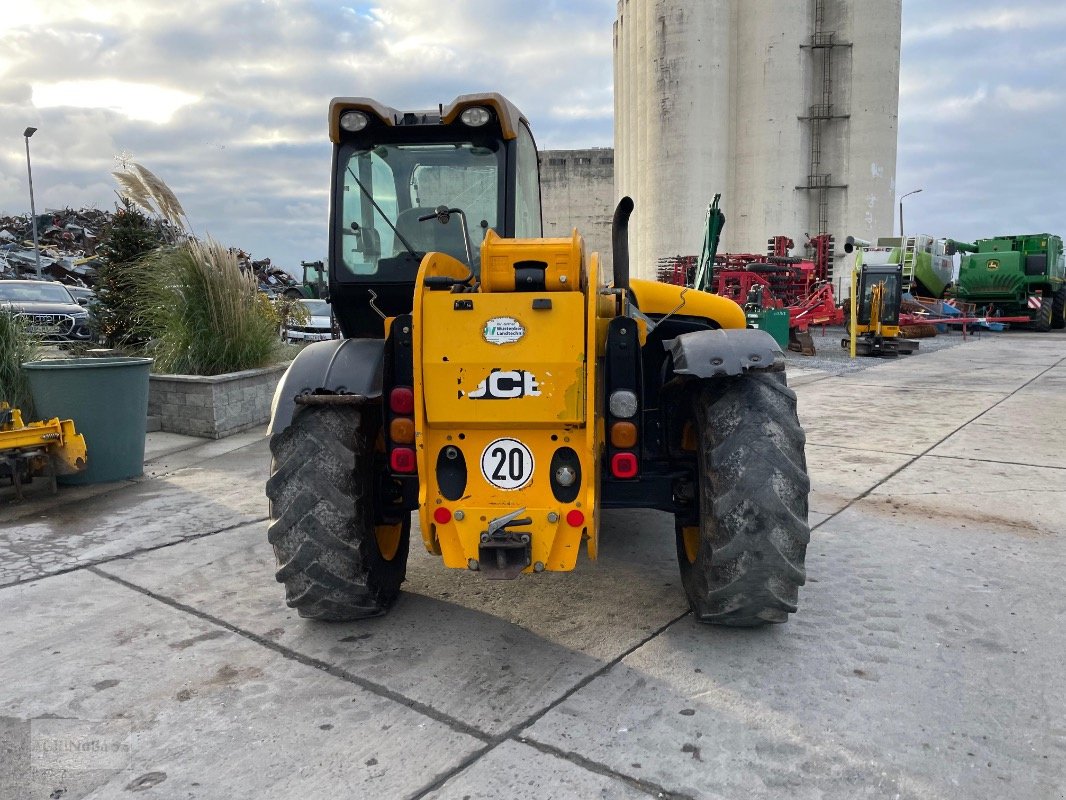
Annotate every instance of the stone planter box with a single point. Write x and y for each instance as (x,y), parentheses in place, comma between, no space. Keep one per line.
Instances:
(213,407)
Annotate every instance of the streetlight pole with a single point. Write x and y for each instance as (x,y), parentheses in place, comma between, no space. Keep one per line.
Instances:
(902,238)
(33,209)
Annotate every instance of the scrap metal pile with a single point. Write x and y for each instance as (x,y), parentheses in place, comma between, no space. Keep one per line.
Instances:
(68,239)
(272,280)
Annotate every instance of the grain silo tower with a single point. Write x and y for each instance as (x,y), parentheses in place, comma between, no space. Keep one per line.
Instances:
(786,107)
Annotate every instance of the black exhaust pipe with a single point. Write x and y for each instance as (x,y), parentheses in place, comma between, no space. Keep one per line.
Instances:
(620,242)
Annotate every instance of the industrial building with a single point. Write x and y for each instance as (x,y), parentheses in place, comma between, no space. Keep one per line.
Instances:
(789,110)
(577,191)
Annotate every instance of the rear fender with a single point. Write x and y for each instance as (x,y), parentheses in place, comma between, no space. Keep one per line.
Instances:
(341,366)
(725,352)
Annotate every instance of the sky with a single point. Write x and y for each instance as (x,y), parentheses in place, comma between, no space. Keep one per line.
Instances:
(226,101)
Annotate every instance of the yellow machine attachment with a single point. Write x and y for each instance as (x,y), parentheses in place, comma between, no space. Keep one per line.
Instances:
(39,448)
(505,424)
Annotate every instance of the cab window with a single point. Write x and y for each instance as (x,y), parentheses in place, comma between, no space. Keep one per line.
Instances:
(527,201)
(386,191)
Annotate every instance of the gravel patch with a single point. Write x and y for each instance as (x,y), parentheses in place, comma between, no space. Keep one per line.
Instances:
(834,359)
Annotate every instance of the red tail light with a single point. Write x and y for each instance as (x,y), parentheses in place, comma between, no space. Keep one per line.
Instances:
(402,459)
(402,400)
(441,515)
(624,465)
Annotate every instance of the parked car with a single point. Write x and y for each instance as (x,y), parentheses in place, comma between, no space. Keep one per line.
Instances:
(82,295)
(51,311)
(318,326)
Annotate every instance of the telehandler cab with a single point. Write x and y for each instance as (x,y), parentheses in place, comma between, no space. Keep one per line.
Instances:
(505,387)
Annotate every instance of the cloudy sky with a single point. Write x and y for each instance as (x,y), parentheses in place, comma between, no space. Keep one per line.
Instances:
(226,100)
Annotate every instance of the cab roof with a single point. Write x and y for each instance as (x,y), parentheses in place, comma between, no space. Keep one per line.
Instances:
(506,112)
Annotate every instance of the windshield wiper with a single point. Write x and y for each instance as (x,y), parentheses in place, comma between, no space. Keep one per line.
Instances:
(384,216)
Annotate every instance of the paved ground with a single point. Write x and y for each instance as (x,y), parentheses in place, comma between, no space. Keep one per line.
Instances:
(145,647)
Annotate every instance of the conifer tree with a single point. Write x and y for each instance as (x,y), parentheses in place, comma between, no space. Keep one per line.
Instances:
(131,236)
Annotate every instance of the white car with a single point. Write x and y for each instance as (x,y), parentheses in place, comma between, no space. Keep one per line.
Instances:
(317,328)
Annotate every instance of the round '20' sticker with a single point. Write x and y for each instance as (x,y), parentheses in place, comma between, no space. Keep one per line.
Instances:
(507,464)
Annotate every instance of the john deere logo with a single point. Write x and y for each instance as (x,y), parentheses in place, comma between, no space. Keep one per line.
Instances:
(993,264)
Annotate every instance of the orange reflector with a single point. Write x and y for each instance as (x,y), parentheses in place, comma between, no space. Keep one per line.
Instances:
(402,430)
(441,515)
(575,519)
(623,434)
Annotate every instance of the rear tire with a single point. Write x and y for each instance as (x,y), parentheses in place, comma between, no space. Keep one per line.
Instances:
(1058,309)
(743,564)
(1043,321)
(322,517)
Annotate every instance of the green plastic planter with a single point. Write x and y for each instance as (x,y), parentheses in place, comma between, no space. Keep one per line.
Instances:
(108,400)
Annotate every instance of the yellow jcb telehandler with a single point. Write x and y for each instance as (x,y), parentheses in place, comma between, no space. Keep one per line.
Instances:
(504,387)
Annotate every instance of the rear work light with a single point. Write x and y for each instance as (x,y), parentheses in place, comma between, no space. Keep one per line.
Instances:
(354,121)
(624,465)
(402,400)
(402,459)
(475,116)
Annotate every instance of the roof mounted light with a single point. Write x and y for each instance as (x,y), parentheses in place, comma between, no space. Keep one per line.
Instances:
(354,121)
(475,116)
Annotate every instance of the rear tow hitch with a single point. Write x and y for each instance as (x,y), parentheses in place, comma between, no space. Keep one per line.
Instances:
(503,554)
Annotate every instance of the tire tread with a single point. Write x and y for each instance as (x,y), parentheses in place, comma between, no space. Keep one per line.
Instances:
(322,519)
(753,501)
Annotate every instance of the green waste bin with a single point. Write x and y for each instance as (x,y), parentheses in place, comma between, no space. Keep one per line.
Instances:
(108,400)
(774,321)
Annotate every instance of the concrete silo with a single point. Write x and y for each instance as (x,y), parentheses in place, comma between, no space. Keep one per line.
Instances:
(786,107)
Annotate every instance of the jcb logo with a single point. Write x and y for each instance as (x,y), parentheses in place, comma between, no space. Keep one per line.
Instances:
(506,385)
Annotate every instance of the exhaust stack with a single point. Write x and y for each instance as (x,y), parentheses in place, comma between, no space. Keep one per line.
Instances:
(620,242)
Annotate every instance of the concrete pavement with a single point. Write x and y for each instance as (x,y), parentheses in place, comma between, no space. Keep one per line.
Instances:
(145,646)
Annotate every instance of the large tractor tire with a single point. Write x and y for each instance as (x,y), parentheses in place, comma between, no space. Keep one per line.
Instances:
(338,561)
(1058,309)
(743,564)
(1044,320)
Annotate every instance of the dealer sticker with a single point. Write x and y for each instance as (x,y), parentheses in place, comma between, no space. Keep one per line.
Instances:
(507,464)
(503,330)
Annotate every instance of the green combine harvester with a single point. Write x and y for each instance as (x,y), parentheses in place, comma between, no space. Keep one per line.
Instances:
(1015,276)
(927,266)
